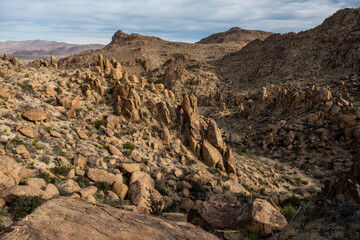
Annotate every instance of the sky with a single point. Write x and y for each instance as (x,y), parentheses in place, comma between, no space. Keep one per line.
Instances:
(89,21)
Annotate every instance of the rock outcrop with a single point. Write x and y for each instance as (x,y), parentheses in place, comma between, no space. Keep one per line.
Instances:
(64,218)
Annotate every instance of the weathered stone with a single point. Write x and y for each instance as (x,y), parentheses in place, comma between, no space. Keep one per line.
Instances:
(98,175)
(130,167)
(214,135)
(210,154)
(10,194)
(139,194)
(120,189)
(29,132)
(261,217)
(10,173)
(143,177)
(80,161)
(68,187)
(64,218)
(115,151)
(34,115)
(85,192)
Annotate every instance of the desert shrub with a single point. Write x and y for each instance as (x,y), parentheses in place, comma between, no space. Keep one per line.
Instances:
(160,186)
(118,203)
(61,170)
(98,123)
(154,205)
(83,181)
(46,177)
(103,186)
(288,211)
(24,205)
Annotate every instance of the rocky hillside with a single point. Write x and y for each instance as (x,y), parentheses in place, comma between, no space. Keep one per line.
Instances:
(140,54)
(40,48)
(235,34)
(103,136)
(327,52)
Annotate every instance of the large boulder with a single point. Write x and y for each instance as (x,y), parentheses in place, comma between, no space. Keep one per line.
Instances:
(64,218)
(210,154)
(258,216)
(139,194)
(10,173)
(261,217)
(34,115)
(214,135)
(213,215)
(12,193)
(99,175)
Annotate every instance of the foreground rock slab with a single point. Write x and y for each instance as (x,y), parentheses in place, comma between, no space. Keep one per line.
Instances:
(64,218)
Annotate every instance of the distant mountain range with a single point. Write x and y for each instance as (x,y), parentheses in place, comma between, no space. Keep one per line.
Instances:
(41,48)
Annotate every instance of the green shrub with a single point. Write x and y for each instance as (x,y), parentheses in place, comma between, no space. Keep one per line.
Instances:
(46,177)
(129,146)
(83,181)
(160,186)
(62,170)
(118,203)
(98,123)
(103,186)
(154,205)
(25,205)
(288,211)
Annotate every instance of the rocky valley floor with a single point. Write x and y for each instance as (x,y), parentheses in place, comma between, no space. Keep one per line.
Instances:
(186,141)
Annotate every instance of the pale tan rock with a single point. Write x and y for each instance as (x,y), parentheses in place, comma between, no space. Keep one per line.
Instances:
(2,203)
(10,173)
(35,182)
(236,188)
(214,135)
(29,132)
(22,190)
(80,219)
(260,216)
(52,190)
(139,194)
(55,134)
(98,175)
(130,167)
(68,187)
(143,177)
(115,151)
(34,115)
(82,134)
(210,154)
(120,189)
(85,192)
(79,161)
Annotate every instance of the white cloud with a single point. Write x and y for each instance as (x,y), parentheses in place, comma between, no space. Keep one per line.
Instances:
(81,21)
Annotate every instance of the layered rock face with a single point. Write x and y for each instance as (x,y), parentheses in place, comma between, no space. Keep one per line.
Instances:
(63,218)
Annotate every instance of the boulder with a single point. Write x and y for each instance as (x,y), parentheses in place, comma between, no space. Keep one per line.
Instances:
(98,175)
(65,218)
(120,189)
(139,194)
(261,217)
(10,173)
(68,187)
(29,132)
(10,194)
(34,115)
(210,154)
(214,135)
(213,215)
(143,177)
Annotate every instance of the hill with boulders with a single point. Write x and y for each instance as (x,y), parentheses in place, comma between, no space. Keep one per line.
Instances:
(235,34)
(245,142)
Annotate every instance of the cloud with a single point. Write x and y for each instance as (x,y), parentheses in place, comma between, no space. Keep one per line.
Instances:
(89,21)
